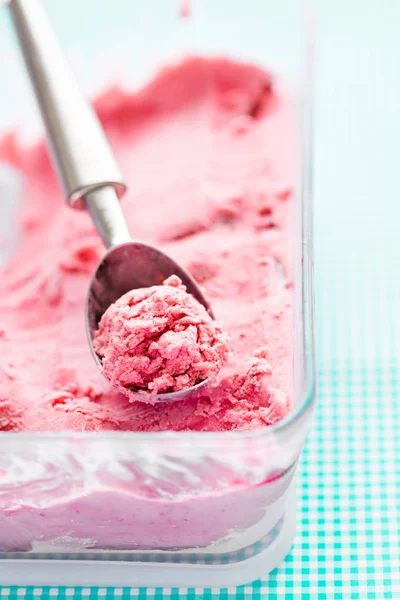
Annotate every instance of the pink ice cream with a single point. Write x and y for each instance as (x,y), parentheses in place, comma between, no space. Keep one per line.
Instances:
(159,339)
(206,151)
(214,133)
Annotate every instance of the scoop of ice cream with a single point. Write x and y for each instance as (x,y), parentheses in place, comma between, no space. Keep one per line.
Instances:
(159,339)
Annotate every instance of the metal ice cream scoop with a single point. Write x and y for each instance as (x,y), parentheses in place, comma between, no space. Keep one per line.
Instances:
(89,175)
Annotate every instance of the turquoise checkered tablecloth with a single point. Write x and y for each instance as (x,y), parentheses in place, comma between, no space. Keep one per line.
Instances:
(348,511)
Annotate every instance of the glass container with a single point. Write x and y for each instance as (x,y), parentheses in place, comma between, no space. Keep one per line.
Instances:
(170,508)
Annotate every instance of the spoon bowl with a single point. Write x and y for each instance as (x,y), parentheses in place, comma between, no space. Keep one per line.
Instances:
(129,266)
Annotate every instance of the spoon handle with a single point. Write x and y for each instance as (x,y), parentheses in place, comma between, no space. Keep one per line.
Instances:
(81,153)
(106,212)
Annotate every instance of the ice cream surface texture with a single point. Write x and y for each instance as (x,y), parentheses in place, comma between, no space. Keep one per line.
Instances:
(204,147)
(206,151)
(159,339)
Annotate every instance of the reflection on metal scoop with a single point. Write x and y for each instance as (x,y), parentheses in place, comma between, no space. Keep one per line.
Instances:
(90,176)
